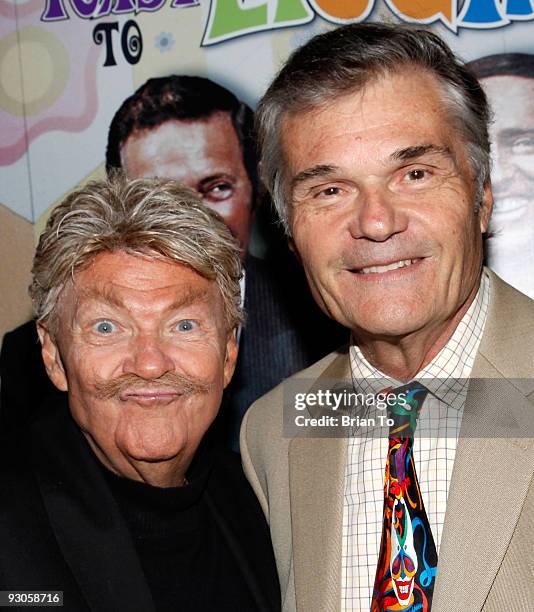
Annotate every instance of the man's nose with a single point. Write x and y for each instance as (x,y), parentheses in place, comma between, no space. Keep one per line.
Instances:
(377,216)
(148,357)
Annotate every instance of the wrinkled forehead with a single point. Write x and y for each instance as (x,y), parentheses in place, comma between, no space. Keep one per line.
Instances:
(372,122)
(133,282)
(422,89)
(115,296)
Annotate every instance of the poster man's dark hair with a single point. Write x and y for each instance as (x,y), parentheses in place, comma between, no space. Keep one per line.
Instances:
(180,98)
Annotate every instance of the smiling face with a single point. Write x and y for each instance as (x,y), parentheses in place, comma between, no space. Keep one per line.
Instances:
(144,353)
(511,247)
(204,155)
(403,562)
(382,208)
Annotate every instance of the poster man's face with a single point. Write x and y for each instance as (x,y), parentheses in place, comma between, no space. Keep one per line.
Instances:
(206,156)
(511,248)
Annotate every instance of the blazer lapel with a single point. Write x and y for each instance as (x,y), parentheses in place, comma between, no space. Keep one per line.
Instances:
(250,565)
(316,482)
(89,529)
(493,467)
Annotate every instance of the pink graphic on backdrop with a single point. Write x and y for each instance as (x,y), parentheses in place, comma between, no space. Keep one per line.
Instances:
(57,88)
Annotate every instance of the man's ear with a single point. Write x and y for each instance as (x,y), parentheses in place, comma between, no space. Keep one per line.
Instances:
(52,358)
(486,206)
(231,357)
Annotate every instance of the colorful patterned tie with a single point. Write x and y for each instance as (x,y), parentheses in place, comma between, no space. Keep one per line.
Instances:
(407,561)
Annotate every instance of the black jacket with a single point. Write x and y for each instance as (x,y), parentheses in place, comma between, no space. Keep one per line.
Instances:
(61,528)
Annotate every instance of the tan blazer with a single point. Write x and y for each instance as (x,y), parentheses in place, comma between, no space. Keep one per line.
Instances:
(486,560)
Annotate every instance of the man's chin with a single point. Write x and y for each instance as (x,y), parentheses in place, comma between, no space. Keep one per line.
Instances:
(396,321)
(151,442)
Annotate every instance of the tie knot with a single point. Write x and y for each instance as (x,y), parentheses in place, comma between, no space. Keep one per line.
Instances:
(404,408)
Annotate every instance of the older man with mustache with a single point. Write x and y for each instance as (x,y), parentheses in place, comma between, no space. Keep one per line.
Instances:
(109,499)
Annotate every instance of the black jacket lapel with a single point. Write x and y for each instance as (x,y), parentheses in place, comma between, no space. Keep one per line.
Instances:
(240,521)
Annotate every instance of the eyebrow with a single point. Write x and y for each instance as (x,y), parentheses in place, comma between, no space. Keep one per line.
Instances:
(108,297)
(405,154)
(218,176)
(320,170)
(199,295)
(409,153)
(510,133)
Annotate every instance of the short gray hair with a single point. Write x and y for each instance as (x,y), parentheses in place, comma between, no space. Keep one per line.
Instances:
(153,217)
(344,60)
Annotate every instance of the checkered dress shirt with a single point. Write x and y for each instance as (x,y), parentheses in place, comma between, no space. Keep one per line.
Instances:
(434,450)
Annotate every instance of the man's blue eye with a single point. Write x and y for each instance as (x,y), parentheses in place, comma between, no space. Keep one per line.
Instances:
(186,325)
(104,327)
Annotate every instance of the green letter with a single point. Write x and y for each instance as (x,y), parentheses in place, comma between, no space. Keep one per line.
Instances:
(229,19)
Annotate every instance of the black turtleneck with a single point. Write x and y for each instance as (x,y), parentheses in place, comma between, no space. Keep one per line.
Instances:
(188,563)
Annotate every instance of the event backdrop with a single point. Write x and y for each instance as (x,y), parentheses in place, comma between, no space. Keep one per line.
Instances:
(66,66)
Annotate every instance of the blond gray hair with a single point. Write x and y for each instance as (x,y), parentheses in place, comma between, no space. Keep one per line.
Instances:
(145,217)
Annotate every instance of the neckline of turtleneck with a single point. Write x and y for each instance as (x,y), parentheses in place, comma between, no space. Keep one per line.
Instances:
(154,511)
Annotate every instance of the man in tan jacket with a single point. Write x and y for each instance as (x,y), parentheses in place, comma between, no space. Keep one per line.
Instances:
(375,149)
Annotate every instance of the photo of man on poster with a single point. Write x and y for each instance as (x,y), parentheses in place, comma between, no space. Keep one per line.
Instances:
(508,79)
